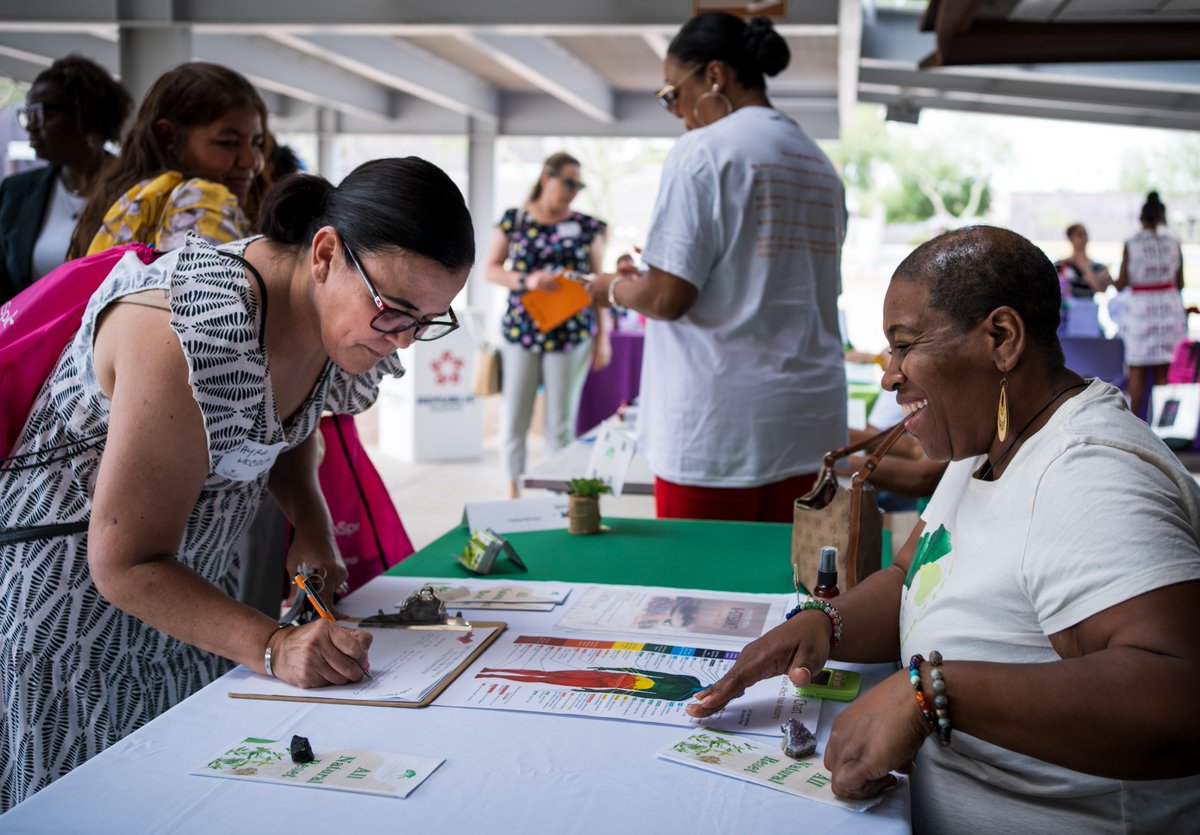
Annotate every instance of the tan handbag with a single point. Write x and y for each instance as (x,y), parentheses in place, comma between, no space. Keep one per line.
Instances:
(487,379)
(841,512)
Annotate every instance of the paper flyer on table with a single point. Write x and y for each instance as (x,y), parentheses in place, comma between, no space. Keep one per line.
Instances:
(406,664)
(756,760)
(341,769)
(640,611)
(611,456)
(632,681)
(459,593)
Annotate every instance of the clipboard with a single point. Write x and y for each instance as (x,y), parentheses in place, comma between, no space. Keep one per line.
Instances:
(497,627)
(550,308)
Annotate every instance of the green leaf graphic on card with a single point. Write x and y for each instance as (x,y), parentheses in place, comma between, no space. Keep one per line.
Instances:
(710,747)
(931,547)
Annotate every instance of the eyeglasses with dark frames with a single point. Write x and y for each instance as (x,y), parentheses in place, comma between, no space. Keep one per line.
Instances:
(669,94)
(390,320)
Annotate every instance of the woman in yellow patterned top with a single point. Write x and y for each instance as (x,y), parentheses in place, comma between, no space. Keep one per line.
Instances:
(187,164)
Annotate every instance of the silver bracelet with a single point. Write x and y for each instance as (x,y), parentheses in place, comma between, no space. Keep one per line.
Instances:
(612,293)
(267,651)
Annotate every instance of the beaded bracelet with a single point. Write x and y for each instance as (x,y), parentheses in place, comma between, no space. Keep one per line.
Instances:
(939,716)
(941,705)
(820,605)
(914,677)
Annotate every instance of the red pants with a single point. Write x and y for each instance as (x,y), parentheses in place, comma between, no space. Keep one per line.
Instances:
(766,503)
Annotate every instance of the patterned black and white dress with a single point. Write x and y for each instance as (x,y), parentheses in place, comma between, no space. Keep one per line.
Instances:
(76,673)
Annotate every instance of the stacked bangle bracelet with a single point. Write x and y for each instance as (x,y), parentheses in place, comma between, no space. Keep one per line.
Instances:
(820,605)
(937,714)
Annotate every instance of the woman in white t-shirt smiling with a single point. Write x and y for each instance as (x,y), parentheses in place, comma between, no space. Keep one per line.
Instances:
(743,388)
(1053,582)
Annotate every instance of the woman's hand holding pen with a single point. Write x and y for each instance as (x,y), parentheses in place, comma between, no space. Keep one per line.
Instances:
(319,653)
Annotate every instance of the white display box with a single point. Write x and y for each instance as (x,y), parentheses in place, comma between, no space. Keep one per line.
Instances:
(429,414)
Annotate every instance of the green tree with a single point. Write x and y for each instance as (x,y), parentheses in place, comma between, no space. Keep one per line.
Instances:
(1173,170)
(917,174)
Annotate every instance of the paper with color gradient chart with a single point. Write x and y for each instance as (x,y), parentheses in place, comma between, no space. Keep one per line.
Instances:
(340,769)
(632,681)
(758,761)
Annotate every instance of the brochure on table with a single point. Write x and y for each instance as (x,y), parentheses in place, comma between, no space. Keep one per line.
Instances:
(611,456)
(756,760)
(628,680)
(339,769)
(647,612)
(467,594)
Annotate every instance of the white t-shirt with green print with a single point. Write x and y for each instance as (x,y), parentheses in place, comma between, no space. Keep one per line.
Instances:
(1091,511)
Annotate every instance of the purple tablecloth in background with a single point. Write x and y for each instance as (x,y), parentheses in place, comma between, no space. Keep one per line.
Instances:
(605,390)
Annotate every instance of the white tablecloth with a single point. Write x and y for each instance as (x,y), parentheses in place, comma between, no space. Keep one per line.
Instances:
(504,772)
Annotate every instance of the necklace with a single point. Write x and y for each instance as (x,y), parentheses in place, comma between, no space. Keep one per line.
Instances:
(991,467)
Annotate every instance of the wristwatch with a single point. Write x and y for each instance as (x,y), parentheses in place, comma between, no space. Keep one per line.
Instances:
(521,283)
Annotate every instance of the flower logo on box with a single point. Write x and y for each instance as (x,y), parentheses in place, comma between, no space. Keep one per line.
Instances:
(446,368)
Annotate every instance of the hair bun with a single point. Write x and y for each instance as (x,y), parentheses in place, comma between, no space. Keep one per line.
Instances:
(292,206)
(1152,199)
(766,47)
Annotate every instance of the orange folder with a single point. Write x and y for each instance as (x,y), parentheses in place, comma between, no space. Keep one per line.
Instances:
(550,307)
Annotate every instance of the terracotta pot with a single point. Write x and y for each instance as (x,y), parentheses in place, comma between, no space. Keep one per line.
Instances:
(583,514)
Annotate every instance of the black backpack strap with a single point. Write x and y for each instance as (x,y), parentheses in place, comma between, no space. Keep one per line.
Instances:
(262,287)
(11,536)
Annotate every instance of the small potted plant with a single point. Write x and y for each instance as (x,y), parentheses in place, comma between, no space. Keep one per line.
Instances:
(583,504)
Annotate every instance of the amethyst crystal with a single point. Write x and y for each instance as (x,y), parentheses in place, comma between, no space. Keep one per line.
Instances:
(797,740)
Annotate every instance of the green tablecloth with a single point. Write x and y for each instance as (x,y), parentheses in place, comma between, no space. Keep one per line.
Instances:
(722,556)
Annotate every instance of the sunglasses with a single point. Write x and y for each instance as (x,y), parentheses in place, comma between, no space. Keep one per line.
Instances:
(569,184)
(669,94)
(391,320)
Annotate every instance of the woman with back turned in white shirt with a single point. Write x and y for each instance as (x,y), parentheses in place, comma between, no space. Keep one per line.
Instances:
(743,387)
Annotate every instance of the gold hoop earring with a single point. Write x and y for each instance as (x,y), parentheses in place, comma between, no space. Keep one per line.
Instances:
(1002,410)
(715,92)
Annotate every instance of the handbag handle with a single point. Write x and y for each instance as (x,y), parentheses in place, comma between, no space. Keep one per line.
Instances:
(885,440)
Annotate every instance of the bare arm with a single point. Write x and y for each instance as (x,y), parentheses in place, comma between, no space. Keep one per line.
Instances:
(296,488)
(1179,272)
(798,647)
(914,477)
(1123,275)
(653,293)
(154,466)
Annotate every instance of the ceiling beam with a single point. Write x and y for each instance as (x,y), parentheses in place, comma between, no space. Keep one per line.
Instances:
(276,67)
(1049,43)
(907,99)
(1028,86)
(548,66)
(44,48)
(406,67)
(346,16)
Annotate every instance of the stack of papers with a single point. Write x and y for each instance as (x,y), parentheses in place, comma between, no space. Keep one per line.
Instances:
(534,597)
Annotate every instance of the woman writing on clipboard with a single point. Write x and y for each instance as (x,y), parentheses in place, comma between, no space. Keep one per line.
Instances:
(537,241)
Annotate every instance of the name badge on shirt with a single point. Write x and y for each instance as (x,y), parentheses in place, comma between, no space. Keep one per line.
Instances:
(570,229)
(248,461)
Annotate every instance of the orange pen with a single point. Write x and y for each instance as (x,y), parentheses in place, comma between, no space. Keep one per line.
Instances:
(315,599)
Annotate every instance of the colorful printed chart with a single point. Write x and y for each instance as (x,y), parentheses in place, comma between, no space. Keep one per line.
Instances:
(628,680)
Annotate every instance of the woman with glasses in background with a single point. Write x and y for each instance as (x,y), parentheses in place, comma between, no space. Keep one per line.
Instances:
(73,108)
(193,387)
(743,386)
(529,246)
